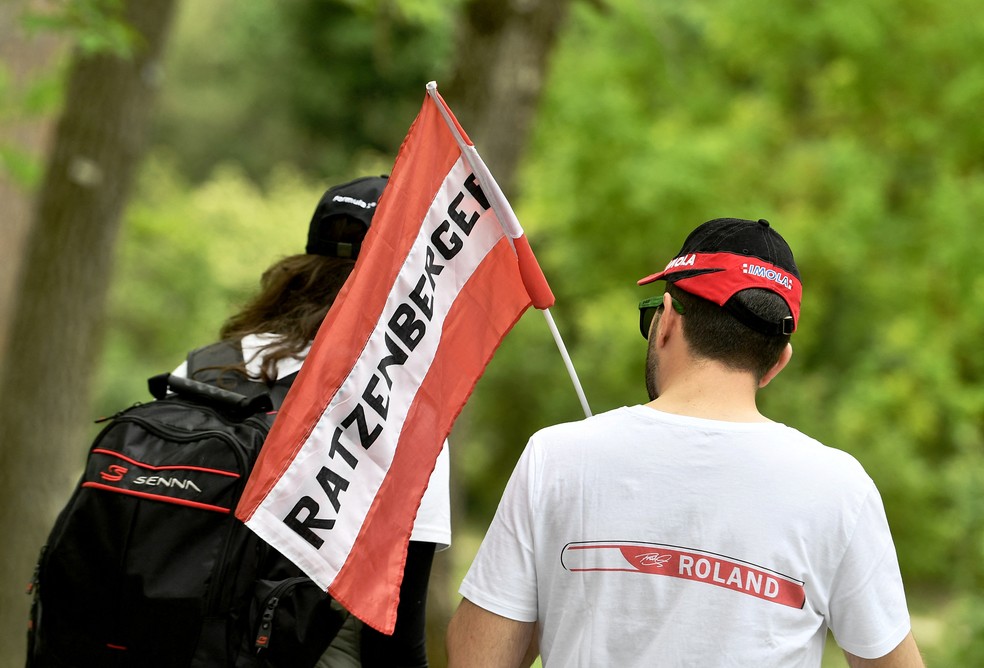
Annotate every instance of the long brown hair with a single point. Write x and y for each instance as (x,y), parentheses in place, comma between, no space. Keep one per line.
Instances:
(295,295)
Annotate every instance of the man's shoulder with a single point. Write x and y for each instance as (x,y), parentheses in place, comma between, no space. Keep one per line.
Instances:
(822,453)
(809,469)
(600,422)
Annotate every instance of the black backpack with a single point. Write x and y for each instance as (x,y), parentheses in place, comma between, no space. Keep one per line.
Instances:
(148,566)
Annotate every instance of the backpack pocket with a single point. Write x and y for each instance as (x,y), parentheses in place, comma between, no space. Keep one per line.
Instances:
(141,554)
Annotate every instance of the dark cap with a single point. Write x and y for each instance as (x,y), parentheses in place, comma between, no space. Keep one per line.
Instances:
(727,255)
(355,201)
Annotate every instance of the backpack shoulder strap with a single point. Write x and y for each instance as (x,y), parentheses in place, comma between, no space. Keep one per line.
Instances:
(215,364)
(221,364)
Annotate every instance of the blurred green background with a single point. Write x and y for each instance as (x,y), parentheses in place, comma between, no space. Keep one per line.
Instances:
(855,127)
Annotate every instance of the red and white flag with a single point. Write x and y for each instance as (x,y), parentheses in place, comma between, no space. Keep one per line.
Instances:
(437,286)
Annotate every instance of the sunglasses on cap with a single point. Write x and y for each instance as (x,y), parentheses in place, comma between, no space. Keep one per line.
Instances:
(649,307)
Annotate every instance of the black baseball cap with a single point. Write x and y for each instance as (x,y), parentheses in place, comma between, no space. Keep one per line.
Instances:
(724,256)
(355,200)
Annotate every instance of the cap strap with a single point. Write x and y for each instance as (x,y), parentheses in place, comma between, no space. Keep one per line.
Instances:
(342,249)
(756,322)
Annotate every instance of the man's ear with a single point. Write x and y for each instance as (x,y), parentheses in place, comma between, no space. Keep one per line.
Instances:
(662,327)
(787,354)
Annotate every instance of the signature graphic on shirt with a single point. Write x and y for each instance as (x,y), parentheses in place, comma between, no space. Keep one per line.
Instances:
(654,559)
(684,563)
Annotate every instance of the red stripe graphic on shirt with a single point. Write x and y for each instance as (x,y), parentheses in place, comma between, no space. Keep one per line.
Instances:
(686,564)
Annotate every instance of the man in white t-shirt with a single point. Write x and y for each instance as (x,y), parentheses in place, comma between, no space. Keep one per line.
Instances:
(691,531)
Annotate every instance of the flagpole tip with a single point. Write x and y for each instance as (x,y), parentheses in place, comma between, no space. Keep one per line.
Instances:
(431,85)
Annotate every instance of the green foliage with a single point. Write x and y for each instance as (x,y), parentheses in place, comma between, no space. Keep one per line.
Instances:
(325,86)
(19,103)
(19,166)
(963,646)
(96,26)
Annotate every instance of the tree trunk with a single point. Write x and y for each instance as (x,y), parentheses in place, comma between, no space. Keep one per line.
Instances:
(55,333)
(501,64)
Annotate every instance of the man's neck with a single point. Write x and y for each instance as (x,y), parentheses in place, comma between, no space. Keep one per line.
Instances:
(710,391)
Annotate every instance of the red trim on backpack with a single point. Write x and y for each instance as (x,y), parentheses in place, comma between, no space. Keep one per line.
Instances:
(158,497)
(113,453)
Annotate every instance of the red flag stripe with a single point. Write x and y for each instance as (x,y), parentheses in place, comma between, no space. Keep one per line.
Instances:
(533,278)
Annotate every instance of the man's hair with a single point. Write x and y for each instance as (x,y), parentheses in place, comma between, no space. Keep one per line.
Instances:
(713,333)
(295,295)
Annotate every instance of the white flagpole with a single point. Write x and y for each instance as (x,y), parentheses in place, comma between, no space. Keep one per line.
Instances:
(567,361)
(510,225)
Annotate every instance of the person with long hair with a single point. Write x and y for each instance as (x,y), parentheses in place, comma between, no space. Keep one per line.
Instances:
(274,331)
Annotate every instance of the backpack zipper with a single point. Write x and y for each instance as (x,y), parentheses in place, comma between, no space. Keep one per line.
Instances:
(270,605)
(186,436)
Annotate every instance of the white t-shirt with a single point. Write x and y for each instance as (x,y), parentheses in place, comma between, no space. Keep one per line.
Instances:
(433,522)
(641,538)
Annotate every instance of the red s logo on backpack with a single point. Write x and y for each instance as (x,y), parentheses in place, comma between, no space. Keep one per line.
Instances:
(113,473)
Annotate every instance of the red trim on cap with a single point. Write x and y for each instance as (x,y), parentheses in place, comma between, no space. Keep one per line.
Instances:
(728,273)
